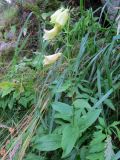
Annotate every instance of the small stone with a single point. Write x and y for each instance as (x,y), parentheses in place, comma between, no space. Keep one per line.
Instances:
(10,36)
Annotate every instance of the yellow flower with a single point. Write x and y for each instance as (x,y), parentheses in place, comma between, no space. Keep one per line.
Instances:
(51,59)
(51,34)
(60,17)
(56,15)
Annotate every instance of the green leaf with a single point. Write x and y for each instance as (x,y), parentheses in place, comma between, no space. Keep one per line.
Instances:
(63,116)
(83,152)
(7,91)
(117,131)
(11,103)
(115,123)
(109,103)
(32,156)
(45,15)
(63,108)
(103,98)
(81,53)
(83,96)
(96,156)
(69,138)
(98,137)
(102,122)
(23,101)
(117,156)
(64,87)
(49,142)
(97,148)
(86,121)
(86,90)
(6,88)
(38,60)
(81,103)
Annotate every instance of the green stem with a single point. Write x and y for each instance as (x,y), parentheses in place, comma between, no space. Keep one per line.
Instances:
(81,6)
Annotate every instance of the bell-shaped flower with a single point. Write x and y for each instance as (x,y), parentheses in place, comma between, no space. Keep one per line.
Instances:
(60,17)
(51,34)
(51,59)
(56,15)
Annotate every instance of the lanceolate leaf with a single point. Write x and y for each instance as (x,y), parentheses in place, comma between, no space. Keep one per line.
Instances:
(109,103)
(49,142)
(62,108)
(103,98)
(69,138)
(86,121)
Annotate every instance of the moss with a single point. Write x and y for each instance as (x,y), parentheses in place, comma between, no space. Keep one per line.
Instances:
(8,17)
(10,14)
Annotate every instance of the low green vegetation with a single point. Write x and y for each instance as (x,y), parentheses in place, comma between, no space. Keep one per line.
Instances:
(67,109)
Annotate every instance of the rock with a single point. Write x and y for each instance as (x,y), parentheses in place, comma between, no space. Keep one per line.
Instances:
(10,36)
(9,1)
(6,48)
(112,7)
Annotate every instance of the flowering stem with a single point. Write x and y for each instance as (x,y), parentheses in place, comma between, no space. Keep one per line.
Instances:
(81,6)
(68,55)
